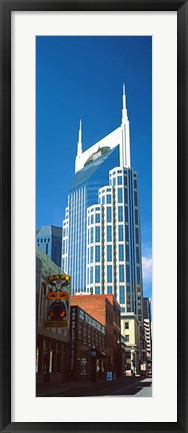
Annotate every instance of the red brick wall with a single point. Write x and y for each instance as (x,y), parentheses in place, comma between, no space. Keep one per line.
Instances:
(96,306)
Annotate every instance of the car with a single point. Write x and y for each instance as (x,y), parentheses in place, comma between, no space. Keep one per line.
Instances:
(143,373)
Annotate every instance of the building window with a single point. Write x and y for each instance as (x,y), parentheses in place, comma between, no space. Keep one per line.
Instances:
(114,181)
(91,275)
(41,240)
(109,199)
(121,273)
(120,213)
(97,253)
(91,254)
(126,325)
(135,184)
(119,180)
(64,232)
(137,236)
(46,249)
(127,253)
(125,195)
(120,232)
(48,240)
(97,290)
(97,234)
(127,233)
(91,235)
(109,290)
(97,274)
(109,253)
(128,288)
(97,218)
(109,273)
(63,249)
(122,309)
(127,274)
(136,217)
(109,233)
(128,299)
(135,198)
(127,338)
(137,256)
(92,219)
(138,275)
(125,179)
(122,294)
(126,214)
(120,195)
(139,312)
(121,253)
(109,214)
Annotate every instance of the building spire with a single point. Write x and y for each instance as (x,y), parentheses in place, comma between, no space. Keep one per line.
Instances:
(124,110)
(124,97)
(79,150)
(125,147)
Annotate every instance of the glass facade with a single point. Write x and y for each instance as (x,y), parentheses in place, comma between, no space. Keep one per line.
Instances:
(101,230)
(83,194)
(49,240)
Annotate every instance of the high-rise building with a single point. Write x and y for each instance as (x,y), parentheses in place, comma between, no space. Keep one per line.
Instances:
(49,240)
(147,327)
(101,247)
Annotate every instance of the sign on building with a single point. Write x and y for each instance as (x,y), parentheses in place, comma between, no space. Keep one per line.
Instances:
(58,310)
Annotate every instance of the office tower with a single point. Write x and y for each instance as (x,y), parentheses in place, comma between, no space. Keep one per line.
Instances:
(49,240)
(101,231)
(147,326)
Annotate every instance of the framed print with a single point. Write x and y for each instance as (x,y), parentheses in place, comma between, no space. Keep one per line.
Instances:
(93,216)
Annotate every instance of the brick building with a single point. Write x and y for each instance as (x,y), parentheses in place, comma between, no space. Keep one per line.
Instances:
(105,310)
(87,346)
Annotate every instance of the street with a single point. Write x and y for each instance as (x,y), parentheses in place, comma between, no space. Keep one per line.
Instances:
(127,386)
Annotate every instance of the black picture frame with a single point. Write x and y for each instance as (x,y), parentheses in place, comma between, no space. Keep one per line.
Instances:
(6,7)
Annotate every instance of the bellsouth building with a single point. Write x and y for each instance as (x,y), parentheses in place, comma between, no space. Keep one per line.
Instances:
(101,244)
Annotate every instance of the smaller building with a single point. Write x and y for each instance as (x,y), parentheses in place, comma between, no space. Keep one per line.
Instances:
(130,330)
(105,310)
(49,240)
(87,347)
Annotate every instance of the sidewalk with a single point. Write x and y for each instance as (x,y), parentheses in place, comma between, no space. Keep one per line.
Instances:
(43,390)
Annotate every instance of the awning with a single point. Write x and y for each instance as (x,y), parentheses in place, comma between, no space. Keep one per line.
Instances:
(96,353)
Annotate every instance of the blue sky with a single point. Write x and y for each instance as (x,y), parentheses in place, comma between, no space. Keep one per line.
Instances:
(82,77)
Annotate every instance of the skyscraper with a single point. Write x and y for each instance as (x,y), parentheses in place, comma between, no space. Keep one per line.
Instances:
(101,246)
(49,240)
(147,326)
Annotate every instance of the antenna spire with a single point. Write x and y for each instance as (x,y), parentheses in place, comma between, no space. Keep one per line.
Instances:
(79,150)
(124,111)
(125,149)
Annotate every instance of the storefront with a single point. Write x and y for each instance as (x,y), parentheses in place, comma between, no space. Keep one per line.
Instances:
(52,358)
